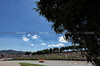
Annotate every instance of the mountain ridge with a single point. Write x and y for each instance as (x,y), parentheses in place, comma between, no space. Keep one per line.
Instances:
(11,52)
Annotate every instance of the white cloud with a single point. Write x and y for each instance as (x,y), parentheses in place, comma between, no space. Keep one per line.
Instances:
(35,37)
(25,39)
(56,45)
(49,45)
(43,44)
(29,35)
(32,44)
(23,35)
(61,39)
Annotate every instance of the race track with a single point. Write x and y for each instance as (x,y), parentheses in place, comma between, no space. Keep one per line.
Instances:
(56,63)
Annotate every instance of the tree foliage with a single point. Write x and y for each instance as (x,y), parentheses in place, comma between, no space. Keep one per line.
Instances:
(79,17)
(53,50)
(28,53)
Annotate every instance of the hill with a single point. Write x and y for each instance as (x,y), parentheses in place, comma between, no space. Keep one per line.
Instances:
(11,52)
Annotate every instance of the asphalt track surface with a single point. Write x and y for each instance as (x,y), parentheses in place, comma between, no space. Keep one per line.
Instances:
(54,63)
(9,64)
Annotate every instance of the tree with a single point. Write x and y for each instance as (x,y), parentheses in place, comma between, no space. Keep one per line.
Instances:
(51,50)
(66,48)
(34,53)
(47,51)
(62,49)
(28,53)
(55,49)
(77,19)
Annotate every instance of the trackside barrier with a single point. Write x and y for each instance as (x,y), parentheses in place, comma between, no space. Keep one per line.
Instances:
(59,59)
(56,59)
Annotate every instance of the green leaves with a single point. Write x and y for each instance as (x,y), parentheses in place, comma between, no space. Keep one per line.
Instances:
(74,16)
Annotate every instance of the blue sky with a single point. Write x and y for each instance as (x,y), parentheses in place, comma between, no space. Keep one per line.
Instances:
(22,29)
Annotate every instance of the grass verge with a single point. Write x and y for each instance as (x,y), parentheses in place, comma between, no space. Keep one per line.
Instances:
(28,64)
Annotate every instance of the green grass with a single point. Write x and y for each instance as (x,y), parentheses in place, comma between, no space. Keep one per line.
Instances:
(23,60)
(28,64)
